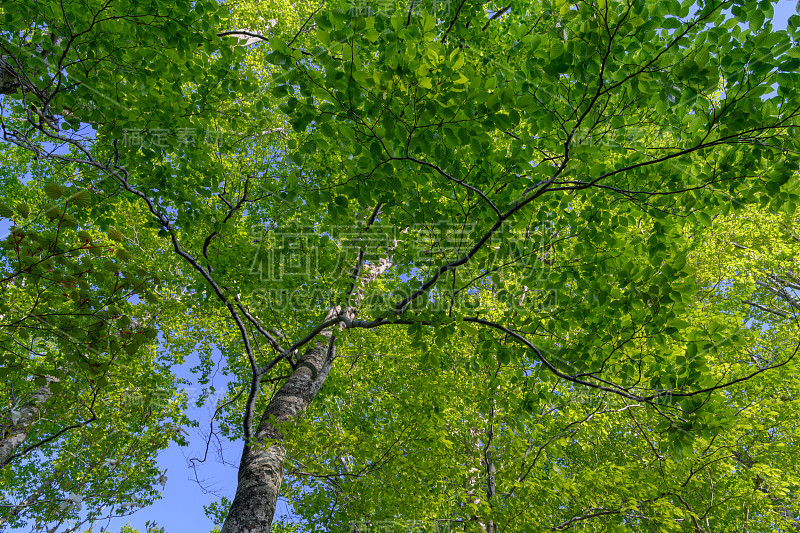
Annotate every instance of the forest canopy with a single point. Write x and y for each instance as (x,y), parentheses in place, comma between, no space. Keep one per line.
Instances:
(468,266)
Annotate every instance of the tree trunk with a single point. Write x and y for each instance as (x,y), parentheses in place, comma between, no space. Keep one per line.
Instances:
(9,79)
(18,431)
(261,468)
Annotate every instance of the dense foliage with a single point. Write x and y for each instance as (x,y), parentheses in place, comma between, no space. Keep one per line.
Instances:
(471,266)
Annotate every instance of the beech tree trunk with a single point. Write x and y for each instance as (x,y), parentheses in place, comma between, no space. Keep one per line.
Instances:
(18,431)
(261,467)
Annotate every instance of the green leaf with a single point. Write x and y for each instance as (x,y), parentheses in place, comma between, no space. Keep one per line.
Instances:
(53,191)
(556,49)
(81,198)
(5,211)
(702,57)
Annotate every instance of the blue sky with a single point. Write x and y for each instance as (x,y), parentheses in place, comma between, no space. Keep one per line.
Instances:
(181,509)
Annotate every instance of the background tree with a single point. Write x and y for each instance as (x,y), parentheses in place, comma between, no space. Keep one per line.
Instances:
(563,456)
(88,401)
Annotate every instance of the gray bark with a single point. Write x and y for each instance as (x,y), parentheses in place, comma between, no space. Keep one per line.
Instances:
(9,79)
(261,468)
(18,431)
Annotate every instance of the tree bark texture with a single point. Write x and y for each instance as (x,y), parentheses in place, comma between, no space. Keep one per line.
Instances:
(18,431)
(261,468)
